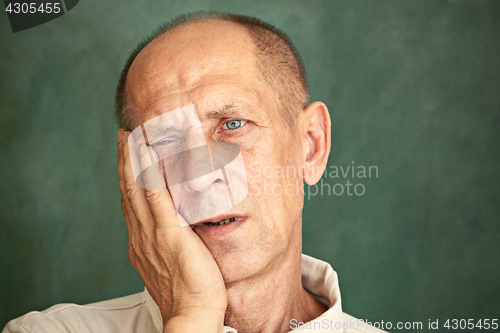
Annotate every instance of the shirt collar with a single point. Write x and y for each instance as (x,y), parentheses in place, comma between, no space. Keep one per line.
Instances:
(318,278)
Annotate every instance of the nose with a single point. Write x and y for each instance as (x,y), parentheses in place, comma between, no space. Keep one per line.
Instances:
(200,172)
(203,183)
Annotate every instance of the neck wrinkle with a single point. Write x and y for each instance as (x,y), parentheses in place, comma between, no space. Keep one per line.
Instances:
(273,299)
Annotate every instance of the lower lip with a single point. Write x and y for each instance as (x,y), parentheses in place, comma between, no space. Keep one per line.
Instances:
(218,231)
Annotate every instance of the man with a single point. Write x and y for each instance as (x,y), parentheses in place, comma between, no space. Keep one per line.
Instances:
(240,271)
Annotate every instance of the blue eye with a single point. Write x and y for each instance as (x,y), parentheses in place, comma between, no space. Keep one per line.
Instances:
(234,124)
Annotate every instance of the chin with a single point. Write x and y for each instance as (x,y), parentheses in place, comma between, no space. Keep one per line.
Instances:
(236,270)
(236,264)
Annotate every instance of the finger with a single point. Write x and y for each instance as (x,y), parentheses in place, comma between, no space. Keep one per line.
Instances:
(132,224)
(119,161)
(131,236)
(159,199)
(133,193)
(152,175)
(130,220)
(136,236)
(121,183)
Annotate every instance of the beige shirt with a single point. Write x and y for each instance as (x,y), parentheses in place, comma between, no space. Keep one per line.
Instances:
(139,313)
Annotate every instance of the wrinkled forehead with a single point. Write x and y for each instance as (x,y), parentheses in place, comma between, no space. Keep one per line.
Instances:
(212,103)
(190,61)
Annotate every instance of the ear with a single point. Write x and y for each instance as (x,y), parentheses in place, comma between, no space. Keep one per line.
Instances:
(316,137)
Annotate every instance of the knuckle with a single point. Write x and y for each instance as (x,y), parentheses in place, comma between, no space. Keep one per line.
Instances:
(153,197)
(130,192)
(134,251)
(133,246)
(144,239)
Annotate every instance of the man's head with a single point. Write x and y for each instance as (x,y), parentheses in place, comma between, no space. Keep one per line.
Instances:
(278,62)
(231,71)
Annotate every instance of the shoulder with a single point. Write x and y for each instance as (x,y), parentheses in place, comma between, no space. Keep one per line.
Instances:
(116,315)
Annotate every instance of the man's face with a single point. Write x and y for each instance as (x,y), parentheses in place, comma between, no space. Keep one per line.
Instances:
(212,65)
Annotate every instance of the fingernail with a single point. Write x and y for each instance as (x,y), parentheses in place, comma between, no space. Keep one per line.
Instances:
(124,137)
(119,135)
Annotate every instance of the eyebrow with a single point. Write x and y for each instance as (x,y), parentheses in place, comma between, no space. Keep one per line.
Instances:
(227,110)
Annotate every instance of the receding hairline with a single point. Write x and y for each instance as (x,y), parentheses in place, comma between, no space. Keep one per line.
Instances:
(168,42)
(277,61)
(179,29)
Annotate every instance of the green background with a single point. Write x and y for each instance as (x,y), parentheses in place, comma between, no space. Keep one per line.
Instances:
(412,86)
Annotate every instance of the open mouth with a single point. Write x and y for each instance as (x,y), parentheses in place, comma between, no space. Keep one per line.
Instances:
(224,221)
(219,227)
(221,222)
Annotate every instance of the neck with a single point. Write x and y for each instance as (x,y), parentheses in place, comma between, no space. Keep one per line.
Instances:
(267,302)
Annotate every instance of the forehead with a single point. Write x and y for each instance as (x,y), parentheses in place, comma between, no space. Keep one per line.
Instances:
(203,63)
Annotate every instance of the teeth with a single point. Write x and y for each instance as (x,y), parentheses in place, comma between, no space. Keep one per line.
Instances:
(224,221)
